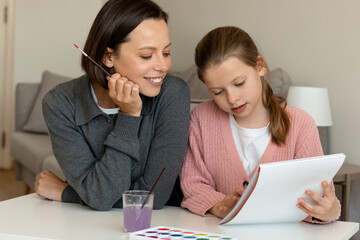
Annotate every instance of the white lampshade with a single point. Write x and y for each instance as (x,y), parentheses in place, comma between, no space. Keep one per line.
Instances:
(314,101)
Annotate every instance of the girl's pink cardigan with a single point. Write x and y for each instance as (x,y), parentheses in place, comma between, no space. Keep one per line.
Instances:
(212,167)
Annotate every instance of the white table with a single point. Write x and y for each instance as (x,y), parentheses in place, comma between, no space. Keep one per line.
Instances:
(32,217)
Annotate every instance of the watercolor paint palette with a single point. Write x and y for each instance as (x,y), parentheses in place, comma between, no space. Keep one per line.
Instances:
(170,233)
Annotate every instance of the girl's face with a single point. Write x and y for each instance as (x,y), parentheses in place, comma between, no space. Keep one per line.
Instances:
(237,89)
(145,58)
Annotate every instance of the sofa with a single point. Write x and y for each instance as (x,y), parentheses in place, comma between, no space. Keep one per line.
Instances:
(30,142)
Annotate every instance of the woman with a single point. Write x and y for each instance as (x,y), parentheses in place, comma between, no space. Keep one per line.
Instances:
(111,134)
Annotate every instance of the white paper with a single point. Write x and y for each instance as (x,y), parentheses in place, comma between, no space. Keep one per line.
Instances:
(273,196)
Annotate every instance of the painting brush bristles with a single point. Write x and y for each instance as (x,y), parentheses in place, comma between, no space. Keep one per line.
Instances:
(84,53)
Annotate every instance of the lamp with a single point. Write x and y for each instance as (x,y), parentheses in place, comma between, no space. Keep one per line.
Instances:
(314,101)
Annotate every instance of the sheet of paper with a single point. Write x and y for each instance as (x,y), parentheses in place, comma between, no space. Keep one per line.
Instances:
(273,197)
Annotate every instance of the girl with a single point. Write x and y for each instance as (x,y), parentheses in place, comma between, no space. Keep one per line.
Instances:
(117,133)
(243,126)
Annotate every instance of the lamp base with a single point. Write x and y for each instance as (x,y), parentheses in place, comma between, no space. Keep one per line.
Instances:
(324,139)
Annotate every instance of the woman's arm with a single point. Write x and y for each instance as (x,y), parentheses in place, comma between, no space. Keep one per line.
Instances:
(98,182)
(168,145)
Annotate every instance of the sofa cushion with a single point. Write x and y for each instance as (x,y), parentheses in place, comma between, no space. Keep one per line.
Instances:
(280,81)
(50,163)
(195,102)
(30,149)
(35,122)
(198,90)
(25,97)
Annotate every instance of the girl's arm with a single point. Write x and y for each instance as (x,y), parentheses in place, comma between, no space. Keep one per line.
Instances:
(328,206)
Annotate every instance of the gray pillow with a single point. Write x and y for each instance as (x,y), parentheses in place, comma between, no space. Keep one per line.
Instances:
(198,89)
(280,81)
(195,102)
(35,122)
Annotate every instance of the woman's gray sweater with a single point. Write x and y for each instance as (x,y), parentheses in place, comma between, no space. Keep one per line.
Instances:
(103,155)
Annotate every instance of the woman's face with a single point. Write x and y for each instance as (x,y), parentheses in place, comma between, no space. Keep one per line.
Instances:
(237,89)
(145,58)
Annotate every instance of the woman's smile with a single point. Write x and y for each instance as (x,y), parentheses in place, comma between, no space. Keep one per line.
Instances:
(156,81)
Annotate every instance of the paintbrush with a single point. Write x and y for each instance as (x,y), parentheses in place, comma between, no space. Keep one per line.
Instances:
(84,53)
(152,188)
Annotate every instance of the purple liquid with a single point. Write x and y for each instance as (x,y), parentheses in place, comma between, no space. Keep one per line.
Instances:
(136,218)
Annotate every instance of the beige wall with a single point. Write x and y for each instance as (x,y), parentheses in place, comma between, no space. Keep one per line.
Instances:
(45,31)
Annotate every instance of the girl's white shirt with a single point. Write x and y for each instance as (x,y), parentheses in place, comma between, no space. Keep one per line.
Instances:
(250,143)
(107,111)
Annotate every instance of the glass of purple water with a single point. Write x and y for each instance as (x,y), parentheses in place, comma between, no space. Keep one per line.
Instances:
(136,216)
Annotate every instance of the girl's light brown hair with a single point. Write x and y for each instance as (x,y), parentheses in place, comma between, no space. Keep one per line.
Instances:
(224,42)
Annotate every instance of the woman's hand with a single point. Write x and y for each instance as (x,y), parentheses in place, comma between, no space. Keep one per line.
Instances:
(125,94)
(327,207)
(221,209)
(48,185)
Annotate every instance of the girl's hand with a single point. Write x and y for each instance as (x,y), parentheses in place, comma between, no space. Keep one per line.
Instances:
(49,186)
(327,207)
(221,209)
(125,94)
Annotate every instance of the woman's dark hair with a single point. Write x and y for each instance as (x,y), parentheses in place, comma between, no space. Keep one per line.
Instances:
(224,42)
(111,27)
